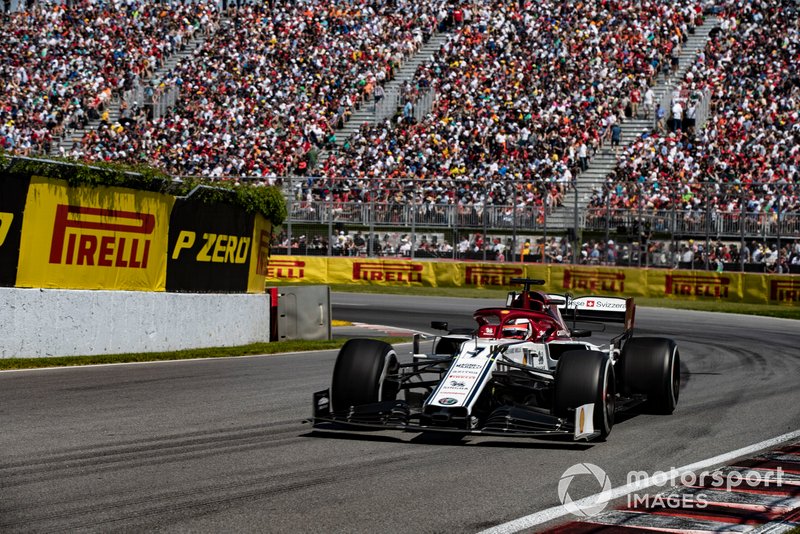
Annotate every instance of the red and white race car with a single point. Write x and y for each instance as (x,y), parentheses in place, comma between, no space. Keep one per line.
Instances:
(521,372)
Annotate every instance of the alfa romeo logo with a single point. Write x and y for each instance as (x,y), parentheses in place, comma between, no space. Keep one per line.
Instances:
(592,508)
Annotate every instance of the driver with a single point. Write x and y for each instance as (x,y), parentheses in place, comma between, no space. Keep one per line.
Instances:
(518,329)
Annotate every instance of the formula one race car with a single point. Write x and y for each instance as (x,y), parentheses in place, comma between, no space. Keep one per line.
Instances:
(522,372)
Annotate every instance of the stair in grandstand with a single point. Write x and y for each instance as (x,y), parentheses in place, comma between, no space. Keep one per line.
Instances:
(605,159)
(73,136)
(367,113)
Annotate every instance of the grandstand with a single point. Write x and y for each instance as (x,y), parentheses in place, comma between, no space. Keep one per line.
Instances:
(511,120)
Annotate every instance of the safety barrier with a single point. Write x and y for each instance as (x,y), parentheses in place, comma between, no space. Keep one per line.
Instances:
(658,283)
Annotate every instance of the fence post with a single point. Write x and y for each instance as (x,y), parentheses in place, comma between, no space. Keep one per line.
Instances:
(708,228)
(608,214)
(778,229)
(485,237)
(514,226)
(741,229)
(544,225)
(330,223)
(289,216)
(413,223)
(641,222)
(456,241)
(576,242)
(674,227)
(370,249)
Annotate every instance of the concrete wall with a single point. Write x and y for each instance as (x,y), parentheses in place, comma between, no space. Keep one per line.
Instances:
(50,322)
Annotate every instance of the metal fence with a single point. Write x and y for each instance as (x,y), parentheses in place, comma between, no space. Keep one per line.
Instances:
(394,100)
(647,236)
(155,100)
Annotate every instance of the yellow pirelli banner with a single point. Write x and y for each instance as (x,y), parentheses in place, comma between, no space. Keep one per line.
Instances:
(696,285)
(578,280)
(781,289)
(615,281)
(93,237)
(259,254)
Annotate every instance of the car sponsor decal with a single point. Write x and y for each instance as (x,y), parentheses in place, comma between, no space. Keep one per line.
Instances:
(476,387)
(465,376)
(584,421)
(599,303)
(447,401)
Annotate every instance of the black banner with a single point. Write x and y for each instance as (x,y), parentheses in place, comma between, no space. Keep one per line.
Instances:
(209,247)
(13,194)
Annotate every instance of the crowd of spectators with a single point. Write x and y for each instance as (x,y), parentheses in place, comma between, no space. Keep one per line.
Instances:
(344,243)
(747,158)
(757,256)
(266,92)
(61,64)
(527,92)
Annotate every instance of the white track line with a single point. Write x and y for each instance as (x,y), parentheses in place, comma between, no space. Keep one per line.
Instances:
(557,512)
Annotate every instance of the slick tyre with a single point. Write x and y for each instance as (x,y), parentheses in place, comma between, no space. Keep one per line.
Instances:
(586,377)
(652,366)
(363,374)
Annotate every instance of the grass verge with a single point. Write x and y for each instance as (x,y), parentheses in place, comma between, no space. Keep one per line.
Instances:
(770,310)
(217,352)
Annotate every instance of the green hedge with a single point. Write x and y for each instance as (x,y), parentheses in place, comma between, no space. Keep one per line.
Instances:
(266,200)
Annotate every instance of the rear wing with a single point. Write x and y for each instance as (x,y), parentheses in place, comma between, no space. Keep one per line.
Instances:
(597,308)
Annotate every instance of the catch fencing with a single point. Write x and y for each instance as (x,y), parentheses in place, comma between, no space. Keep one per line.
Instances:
(412,224)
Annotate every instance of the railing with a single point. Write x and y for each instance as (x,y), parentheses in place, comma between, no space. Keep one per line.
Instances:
(697,224)
(393,102)
(387,107)
(679,222)
(703,110)
(134,95)
(397,214)
(164,100)
(424,104)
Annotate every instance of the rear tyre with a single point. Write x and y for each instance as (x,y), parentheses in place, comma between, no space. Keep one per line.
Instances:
(363,374)
(586,377)
(652,366)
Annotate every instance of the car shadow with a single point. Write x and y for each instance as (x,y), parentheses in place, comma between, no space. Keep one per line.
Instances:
(444,439)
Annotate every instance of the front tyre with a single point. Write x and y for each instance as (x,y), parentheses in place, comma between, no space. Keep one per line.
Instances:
(586,377)
(363,374)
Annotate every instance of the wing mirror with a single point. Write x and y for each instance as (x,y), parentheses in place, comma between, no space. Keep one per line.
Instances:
(580,333)
(439,325)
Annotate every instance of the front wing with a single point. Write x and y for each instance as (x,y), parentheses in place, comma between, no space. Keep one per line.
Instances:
(508,421)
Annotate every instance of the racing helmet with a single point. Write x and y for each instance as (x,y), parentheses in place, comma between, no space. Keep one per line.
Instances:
(518,329)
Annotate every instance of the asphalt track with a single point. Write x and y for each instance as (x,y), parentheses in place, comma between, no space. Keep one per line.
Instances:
(218,445)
